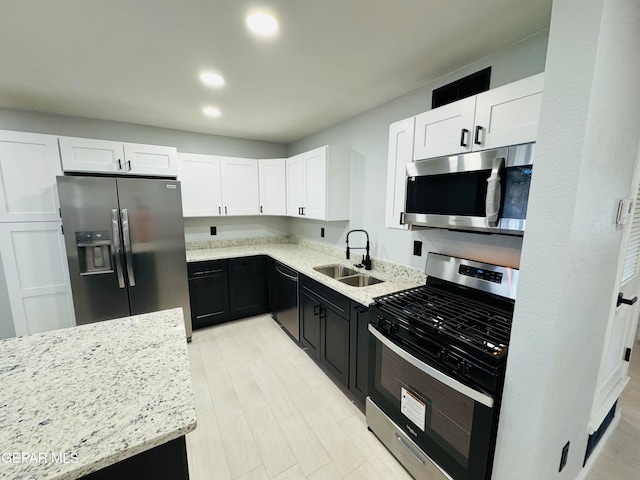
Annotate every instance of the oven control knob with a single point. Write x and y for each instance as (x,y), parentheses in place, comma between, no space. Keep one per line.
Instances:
(394,328)
(443,356)
(462,367)
(381,321)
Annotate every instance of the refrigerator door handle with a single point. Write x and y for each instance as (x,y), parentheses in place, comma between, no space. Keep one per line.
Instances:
(126,236)
(115,244)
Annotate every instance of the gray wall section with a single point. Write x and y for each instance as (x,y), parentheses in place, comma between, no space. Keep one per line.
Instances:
(6,318)
(368,136)
(188,142)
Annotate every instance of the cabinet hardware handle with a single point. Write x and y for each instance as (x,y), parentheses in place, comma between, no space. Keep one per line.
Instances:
(401,218)
(119,164)
(626,301)
(323,313)
(316,309)
(463,134)
(477,136)
(260,208)
(219,211)
(129,165)
(303,210)
(225,210)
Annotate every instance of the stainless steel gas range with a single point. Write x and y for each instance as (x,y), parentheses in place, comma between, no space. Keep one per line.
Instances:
(437,360)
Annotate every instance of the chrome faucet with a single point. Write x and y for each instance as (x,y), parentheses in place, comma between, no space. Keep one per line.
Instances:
(366,260)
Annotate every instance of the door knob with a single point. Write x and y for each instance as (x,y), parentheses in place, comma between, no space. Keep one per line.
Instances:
(626,301)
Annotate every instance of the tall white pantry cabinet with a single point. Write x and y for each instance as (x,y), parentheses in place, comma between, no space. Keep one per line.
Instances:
(31,241)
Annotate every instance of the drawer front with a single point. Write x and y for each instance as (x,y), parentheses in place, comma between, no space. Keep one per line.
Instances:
(208,267)
(246,265)
(330,298)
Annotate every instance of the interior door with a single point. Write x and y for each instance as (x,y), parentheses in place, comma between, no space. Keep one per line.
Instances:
(614,366)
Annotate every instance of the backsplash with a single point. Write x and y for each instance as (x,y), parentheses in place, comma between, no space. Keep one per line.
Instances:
(237,242)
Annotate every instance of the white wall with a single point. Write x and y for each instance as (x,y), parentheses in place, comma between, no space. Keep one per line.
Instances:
(586,154)
(6,318)
(367,135)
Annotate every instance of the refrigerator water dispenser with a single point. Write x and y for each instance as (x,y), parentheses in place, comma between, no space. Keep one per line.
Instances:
(94,252)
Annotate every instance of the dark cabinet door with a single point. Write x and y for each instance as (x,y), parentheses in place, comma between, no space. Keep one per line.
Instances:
(310,324)
(209,299)
(247,286)
(359,351)
(335,344)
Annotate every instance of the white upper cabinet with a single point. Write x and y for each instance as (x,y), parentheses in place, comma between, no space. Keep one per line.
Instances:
(400,155)
(509,115)
(102,156)
(200,184)
(273,186)
(29,164)
(445,130)
(240,194)
(506,115)
(295,186)
(150,160)
(319,184)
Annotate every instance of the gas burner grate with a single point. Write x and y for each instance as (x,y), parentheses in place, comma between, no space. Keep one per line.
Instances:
(429,309)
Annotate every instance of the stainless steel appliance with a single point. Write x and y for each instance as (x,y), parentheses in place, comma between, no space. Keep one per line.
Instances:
(125,246)
(437,357)
(484,191)
(284,298)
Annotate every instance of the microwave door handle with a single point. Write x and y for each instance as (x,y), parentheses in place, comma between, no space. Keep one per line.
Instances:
(115,245)
(126,235)
(494,193)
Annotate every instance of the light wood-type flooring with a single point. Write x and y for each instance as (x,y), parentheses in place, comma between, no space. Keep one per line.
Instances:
(266,411)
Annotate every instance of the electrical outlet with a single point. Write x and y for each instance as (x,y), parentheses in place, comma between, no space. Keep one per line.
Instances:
(321,232)
(417,248)
(213,230)
(564,456)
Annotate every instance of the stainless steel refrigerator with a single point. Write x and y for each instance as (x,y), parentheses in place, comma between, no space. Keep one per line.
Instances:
(125,246)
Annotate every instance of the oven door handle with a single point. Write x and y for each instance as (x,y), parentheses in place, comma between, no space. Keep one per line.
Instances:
(486,400)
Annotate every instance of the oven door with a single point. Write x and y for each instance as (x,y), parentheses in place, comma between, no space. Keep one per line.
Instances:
(453,424)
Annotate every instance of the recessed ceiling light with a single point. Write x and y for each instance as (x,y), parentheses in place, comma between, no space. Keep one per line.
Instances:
(262,24)
(212,111)
(212,79)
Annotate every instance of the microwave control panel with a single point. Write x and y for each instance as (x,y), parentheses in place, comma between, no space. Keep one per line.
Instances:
(481,273)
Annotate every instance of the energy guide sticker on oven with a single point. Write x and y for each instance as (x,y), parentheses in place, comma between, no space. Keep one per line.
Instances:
(412,408)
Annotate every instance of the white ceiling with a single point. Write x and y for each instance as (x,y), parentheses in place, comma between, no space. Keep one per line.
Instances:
(138,61)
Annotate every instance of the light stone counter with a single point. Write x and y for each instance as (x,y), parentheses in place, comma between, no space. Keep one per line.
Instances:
(79,399)
(303,259)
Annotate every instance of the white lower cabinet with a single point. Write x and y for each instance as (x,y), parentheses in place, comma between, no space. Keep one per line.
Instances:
(400,155)
(319,184)
(273,186)
(29,163)
(37,276)
(119,158)
(200,185)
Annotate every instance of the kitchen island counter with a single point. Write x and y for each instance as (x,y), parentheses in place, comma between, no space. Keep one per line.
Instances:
(303,259)
(76,400)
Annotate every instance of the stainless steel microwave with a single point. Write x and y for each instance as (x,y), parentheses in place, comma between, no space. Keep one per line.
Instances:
(484,191)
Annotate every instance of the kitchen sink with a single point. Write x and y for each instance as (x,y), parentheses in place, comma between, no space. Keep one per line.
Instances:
(360,280)
(336,271)
(347,275)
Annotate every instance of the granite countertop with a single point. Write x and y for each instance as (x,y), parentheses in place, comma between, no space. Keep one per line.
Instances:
(79,399)
(303,259)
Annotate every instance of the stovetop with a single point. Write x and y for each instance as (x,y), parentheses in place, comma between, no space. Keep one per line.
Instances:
(436,312)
